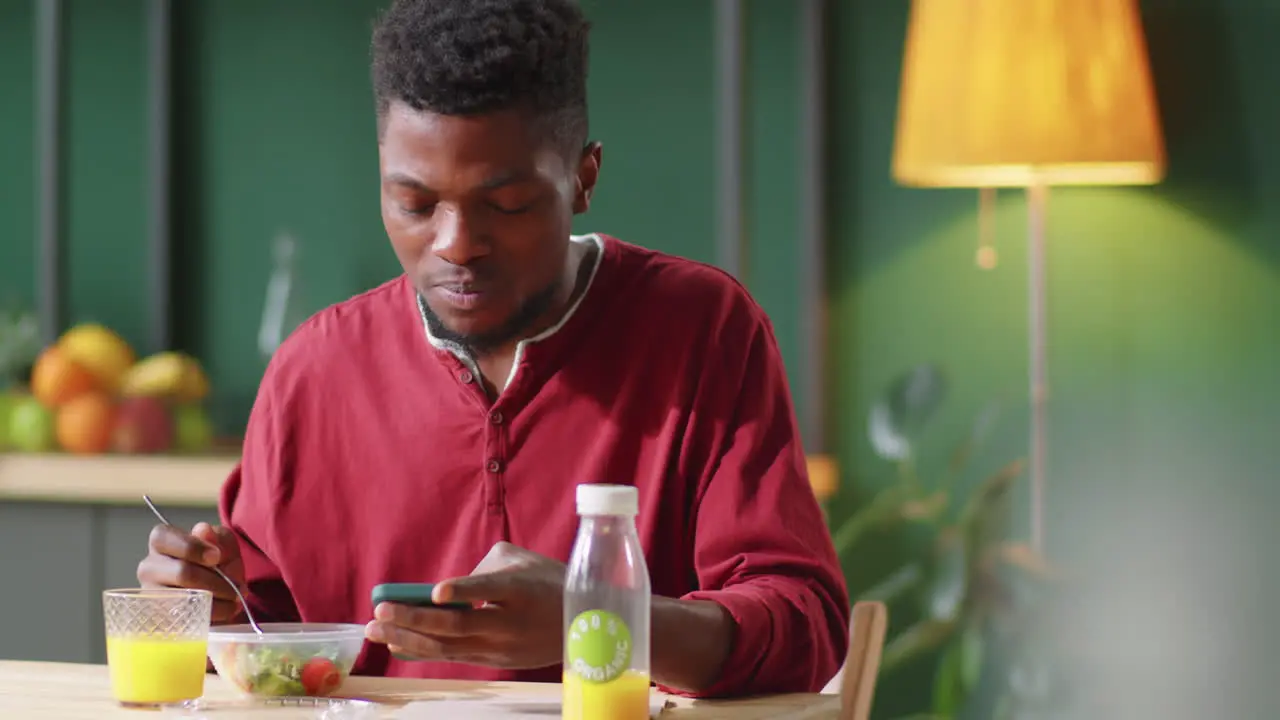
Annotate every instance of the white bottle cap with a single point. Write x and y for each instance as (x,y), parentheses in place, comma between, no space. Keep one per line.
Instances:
(595,499)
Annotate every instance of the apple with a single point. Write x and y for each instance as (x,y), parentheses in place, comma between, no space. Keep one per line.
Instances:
(143,425)
(31,426)
(7,401)
(192,428)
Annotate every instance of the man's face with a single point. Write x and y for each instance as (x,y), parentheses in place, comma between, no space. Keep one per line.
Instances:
(478,210)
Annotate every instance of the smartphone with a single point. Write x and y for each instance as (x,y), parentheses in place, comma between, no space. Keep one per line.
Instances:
(413,594)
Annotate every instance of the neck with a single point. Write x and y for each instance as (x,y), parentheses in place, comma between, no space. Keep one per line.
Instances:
(572,284)
(495,363)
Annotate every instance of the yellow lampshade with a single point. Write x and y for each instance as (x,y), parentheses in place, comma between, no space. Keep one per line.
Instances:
(1000,93)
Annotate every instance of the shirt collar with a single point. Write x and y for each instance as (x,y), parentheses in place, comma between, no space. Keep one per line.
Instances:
(465,357)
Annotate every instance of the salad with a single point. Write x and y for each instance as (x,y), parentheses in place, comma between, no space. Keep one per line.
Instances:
(261,669)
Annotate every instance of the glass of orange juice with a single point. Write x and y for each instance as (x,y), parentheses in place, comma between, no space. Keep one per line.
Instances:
(156,644)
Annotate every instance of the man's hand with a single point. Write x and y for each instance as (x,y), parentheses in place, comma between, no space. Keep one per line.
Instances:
(176,559)
(515,621)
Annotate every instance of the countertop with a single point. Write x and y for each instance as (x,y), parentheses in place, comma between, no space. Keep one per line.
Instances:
(170,480)
(180,480)
(45,691)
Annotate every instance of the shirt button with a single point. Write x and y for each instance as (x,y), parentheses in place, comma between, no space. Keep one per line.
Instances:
(495,417)
(466,377)
(495,465)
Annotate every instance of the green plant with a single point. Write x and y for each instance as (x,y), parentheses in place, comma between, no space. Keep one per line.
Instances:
(19,346)
(974,590)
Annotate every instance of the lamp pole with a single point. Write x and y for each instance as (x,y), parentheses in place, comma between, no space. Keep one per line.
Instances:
(1037,203)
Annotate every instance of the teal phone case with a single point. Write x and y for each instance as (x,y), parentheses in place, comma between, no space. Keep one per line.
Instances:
(413,594)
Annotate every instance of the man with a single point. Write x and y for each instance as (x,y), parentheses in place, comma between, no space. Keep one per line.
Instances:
(434,428)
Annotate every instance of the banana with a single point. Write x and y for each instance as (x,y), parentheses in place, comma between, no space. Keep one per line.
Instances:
(170,375)
(195,384)
(160,375)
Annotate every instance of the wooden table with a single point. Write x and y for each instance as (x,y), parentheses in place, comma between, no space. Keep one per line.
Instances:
(61,691)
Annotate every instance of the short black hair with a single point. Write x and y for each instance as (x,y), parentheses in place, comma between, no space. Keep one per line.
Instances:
(471,57)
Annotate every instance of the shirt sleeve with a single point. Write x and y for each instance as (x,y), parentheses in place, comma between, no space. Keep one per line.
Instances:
(248,504)
(762,549)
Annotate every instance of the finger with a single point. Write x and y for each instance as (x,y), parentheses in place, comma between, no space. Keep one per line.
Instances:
(224,610)
(222,538)
(501,556)
(157,570)
(437,622)
(402,641)
(210,537)
(170,541)
(493,587)
(405,642)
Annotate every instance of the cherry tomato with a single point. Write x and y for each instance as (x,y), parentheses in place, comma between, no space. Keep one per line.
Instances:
(320,676)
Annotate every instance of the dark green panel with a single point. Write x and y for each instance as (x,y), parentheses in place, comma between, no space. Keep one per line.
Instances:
(60,622)
(106,166)
(17,154)
(772,202)
(652,106)
(275,132)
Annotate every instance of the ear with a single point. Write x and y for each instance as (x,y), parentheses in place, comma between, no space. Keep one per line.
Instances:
(588,174)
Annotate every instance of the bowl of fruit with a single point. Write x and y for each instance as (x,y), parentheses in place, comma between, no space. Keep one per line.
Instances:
(287,659)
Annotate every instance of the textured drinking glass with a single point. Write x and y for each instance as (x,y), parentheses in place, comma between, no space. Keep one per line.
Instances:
(157,643)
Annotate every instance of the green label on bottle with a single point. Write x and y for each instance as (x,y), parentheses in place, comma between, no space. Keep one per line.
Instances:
(599,646)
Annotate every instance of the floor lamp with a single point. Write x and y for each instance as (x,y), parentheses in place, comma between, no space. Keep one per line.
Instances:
(1027,94)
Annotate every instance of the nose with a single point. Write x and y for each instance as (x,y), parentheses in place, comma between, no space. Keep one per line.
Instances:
(456,238)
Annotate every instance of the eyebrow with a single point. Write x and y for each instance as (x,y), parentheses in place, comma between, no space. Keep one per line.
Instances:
(496,181)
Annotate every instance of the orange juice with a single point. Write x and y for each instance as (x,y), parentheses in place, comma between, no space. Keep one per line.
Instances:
(626,697)
(146,670)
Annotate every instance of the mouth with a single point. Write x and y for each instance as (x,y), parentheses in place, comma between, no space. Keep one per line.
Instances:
(460,296)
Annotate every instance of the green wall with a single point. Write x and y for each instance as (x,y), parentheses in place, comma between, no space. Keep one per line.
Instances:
(17,154)
(105,166)
(273,131)
(1162,299)
(1164,341)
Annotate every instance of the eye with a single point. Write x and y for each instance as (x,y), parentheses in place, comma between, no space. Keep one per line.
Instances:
(418,210)
(513,200)
(505,210)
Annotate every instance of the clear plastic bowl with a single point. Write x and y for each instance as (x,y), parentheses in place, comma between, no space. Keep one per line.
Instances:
(288,659)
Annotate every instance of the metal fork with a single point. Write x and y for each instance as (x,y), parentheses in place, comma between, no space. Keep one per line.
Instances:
(243,603)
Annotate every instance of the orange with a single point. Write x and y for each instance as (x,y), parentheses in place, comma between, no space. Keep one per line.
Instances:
(56,379)
(85,424)
(100,351)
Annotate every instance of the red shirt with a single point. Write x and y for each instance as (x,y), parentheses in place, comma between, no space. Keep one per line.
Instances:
(374,455)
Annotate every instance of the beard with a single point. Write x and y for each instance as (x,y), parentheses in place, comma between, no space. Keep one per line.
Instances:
(528,313)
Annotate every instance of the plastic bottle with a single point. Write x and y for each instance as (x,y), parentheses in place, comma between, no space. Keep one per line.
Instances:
(606,610)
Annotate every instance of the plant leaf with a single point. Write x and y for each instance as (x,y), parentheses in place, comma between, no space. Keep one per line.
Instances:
(972,646)
(978,433)
(948,591)
(986,515)
(885,508)
(948,684)
(900,581)
(992,490)
(922,637)
(19,344)
(1025,558)
(897,419)
(927,509)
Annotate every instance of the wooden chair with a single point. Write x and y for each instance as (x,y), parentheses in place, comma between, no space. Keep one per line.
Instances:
(856,680)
